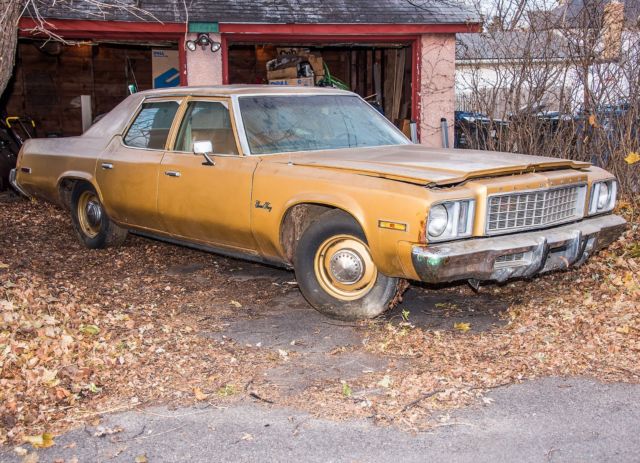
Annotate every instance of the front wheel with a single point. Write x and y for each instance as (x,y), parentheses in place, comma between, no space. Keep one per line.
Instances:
(94,228)
(336,273)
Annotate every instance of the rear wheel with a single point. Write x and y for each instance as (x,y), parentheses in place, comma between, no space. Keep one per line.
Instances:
(94,228)
(335,270)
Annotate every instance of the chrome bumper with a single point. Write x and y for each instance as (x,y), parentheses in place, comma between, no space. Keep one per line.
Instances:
(516,256)
(14,183)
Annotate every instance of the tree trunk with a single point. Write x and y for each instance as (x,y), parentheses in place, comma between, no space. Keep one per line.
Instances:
(9,15)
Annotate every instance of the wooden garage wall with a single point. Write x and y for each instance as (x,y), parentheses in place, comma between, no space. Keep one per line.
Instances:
(48,87)
(354,66)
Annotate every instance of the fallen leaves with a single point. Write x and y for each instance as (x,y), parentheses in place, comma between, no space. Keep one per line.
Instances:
(346,389)
(632,157)
(101,431)
(582,322)
(199,395)
(623,329)
(462,327)
(89,329)
(41,441)
(385,382)
(82,331)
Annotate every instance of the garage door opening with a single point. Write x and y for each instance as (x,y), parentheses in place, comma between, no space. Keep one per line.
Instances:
(51,78)
(381,72)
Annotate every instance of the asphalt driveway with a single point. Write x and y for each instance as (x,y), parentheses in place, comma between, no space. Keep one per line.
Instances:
(549,420)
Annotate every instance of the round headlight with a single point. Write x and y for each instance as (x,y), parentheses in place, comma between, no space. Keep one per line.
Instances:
(438,219)
(603,196)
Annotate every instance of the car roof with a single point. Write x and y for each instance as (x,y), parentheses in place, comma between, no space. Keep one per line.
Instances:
(229,90)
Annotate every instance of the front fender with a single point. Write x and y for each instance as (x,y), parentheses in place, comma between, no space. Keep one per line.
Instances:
(367,199)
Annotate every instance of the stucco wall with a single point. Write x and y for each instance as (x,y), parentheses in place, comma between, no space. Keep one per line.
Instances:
(203,66)
(436,93)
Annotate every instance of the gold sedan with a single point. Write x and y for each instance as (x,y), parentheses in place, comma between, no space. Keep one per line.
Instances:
(318,181)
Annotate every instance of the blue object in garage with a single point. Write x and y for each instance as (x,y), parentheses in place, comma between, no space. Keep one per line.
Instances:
(169,78)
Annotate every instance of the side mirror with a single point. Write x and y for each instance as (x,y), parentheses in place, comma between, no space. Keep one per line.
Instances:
(205,148)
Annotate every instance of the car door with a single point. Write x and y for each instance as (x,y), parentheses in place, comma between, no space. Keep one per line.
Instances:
(127,172)
(201,202)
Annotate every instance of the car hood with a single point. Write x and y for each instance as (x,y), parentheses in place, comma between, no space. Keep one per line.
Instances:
(426,166)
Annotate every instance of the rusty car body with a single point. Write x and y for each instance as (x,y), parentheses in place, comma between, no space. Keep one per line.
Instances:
(318,181)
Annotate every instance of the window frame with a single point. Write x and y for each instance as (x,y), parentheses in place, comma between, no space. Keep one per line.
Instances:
(180,117)
(137,112)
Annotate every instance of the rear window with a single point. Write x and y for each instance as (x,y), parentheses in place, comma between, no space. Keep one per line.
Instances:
(150,128)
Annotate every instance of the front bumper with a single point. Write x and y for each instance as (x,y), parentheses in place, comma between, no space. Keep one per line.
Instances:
(14,183)
(519,255)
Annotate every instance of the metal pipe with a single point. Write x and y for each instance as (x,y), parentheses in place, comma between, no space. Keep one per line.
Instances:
(444,128)
(413,126)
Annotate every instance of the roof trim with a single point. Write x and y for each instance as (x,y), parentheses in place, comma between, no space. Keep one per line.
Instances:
(348,29)
(79,28)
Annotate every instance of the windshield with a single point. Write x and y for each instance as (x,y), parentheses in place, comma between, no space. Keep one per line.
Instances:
(285,123)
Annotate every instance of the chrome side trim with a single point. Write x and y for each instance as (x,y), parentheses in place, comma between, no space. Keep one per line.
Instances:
(14,183)
(227,252)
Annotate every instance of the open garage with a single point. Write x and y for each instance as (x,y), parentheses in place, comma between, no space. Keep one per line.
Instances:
(397,55)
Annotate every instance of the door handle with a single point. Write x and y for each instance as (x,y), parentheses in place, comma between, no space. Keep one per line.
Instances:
(106,165)
(172,173)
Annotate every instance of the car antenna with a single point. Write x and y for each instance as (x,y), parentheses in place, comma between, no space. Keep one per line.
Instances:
(290,162)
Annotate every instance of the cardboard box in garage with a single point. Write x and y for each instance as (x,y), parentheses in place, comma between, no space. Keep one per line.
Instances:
(286,73)
(301,82)
(291,71)
(317,64)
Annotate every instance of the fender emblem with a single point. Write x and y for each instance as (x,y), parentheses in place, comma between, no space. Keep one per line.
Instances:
(266,205)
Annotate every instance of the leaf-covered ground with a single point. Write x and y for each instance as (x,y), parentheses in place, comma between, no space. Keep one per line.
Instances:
(86,332)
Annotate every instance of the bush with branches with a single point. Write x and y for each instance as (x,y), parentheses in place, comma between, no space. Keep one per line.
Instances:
(557,81)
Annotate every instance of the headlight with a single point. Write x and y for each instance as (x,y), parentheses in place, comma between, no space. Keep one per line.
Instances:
(450,220)
(438,219)
(603,197)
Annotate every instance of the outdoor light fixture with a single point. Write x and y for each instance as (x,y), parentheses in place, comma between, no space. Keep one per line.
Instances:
(204,41)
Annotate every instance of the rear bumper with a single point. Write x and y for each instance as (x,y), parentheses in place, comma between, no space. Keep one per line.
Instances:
(516,256)
(14,182)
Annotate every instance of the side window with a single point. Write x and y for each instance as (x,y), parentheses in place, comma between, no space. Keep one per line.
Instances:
(151,127)
(207,121)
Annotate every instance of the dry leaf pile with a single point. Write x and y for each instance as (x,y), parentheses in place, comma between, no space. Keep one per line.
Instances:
(83,332)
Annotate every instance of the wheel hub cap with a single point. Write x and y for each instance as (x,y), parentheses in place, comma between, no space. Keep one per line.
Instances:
(346,266)
(94,213)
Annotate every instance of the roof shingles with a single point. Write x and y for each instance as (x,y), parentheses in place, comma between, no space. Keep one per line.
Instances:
(273,11)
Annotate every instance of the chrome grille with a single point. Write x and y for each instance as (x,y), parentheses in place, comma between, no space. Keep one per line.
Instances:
(534,209)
